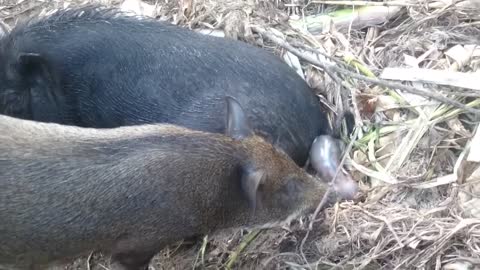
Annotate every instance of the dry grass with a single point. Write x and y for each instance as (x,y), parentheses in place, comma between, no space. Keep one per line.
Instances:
(413,156)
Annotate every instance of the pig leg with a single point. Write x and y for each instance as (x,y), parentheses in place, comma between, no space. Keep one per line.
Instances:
(134,253)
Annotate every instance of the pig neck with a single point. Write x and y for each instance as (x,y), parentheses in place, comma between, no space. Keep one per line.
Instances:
(235,212)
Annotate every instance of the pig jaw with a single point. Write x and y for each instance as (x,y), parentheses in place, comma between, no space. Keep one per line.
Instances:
(311,199)
(272,214)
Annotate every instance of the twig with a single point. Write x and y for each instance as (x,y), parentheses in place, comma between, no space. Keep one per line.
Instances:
(443,240)
(284,254)
(358,118)
(442,77)
(327,66)
(327,194)
(386,222)
(340,166)
(318,52)
(103,266)
(88,260)
(16,14)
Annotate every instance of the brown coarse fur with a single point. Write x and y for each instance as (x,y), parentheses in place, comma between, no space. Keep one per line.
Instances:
(132,190)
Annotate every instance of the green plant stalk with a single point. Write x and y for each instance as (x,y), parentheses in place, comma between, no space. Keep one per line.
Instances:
(234,255)
(367,72)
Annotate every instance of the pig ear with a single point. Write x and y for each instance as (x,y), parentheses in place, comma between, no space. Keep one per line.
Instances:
(238,126)
(33,65)
(250,181)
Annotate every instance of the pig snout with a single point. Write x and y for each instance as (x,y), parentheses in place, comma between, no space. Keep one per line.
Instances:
(325,159)
(345,186)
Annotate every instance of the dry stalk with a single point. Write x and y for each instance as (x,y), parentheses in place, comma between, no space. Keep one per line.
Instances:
(328,66)
(365,3)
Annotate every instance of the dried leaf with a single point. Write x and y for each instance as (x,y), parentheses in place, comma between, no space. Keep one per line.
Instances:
(138,7)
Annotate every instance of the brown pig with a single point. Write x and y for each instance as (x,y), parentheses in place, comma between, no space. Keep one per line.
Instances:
(130,191)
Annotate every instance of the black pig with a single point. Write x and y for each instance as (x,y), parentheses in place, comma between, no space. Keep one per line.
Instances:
(130,191)
(96,67)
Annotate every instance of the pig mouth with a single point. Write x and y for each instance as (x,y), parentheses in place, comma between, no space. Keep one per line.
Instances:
(345,187)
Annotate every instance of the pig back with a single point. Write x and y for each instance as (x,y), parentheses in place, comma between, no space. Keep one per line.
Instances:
(65,186)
